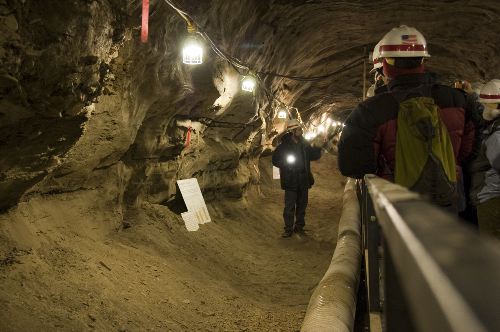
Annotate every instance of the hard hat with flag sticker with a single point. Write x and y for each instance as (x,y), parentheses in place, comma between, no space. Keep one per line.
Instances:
(375,58)
(403,42)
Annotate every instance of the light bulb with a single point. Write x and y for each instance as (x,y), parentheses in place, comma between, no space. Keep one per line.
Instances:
(248,84)
(321,128)
(290,159)
(328,121)
(282,114)
(309,135)
(192,52)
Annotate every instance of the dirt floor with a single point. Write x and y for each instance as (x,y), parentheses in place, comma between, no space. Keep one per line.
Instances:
(67,264)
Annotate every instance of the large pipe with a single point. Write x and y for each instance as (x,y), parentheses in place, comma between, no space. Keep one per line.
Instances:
(333,304)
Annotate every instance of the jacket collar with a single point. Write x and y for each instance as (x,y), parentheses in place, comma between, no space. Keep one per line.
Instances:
(411,80)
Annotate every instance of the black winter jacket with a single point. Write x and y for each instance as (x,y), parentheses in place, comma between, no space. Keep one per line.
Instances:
(368,141)
(293,175)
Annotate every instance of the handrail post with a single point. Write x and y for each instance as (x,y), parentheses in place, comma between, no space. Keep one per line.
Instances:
(371,241)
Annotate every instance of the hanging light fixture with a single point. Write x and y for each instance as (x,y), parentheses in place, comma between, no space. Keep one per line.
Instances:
(248,84)
(192,52)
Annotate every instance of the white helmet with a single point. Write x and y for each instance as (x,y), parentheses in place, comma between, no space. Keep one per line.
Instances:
(403,42)
(490,93)
(496,81)
(375,58)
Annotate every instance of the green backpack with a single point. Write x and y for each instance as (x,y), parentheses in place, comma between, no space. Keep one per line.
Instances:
(425,161)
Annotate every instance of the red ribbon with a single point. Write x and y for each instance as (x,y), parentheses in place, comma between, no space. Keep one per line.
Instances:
(188,138)
(489,96)
(145,19)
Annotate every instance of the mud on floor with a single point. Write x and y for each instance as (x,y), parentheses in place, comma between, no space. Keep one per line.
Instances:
(67,265)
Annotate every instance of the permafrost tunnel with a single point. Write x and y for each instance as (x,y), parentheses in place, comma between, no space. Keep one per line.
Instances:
(96,127)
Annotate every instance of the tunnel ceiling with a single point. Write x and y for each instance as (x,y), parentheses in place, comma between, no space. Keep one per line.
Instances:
(84,104)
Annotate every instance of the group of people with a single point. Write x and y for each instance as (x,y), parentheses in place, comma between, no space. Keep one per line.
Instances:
(440,141)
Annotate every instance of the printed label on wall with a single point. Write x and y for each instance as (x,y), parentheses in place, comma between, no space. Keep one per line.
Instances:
(191,221)
(193,198)
(276,173)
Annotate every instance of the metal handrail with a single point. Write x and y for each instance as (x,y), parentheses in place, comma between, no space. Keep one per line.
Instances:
(438,274)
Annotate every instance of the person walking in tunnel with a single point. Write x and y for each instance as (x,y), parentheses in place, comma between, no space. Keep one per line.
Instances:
(416,134)
(293,156)
(485,169)
(380,83)
(468,212)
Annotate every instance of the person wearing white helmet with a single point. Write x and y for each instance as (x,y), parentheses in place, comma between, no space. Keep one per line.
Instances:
(485,168)
(293,156)
(469,211)
(490,97)
(496,81)
(370,141)
(379,84)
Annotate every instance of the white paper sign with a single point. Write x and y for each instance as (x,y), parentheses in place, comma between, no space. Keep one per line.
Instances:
(191,193)
(276,173)
(191,221)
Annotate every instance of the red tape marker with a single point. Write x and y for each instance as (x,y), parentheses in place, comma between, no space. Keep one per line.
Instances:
(145,21)
(188,138)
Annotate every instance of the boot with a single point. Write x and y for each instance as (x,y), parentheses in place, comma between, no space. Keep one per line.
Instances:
(299,230)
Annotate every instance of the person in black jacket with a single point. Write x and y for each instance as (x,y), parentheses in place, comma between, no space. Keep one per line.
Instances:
(369,140)
(293,157)
(468,213)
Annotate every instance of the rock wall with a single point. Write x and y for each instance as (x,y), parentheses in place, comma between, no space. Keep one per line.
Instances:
(55,65)
(85,105)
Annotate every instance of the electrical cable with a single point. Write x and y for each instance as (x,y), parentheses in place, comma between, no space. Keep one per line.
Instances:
(348,66)
(193,24)
(212,123)
(237,64)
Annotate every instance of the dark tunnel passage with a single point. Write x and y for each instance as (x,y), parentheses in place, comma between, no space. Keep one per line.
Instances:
(97,126)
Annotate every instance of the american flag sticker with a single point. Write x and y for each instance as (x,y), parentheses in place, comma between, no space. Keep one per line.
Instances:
(409,39)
